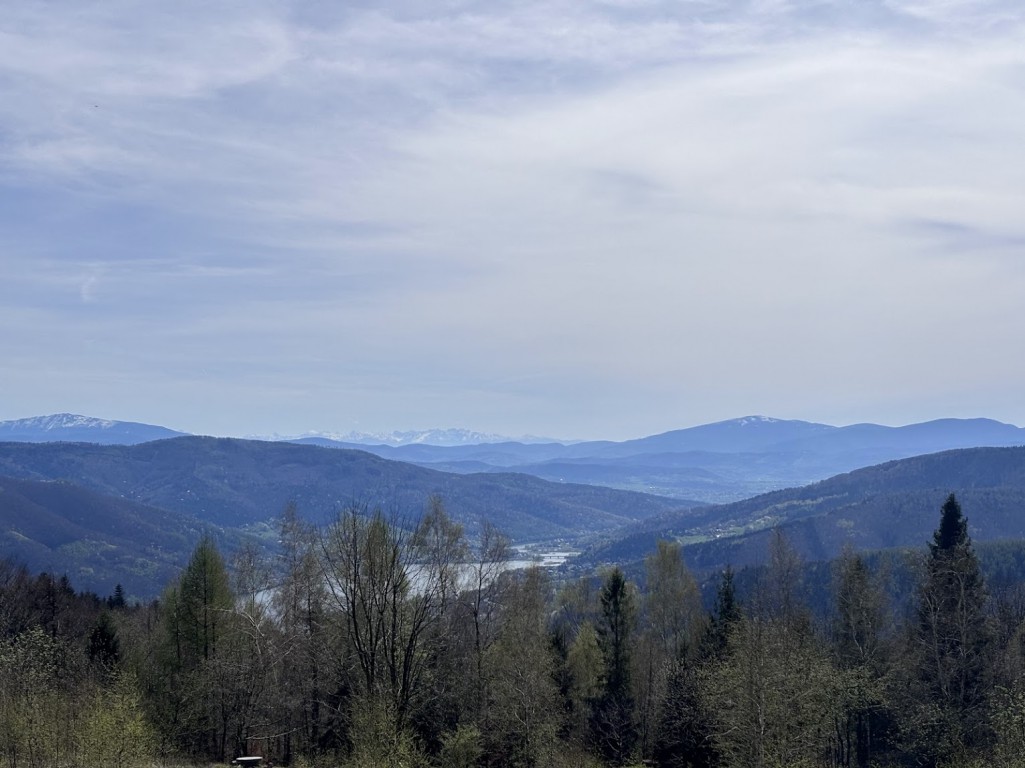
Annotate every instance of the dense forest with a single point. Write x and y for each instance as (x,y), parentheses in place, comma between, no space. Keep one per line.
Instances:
(375,641)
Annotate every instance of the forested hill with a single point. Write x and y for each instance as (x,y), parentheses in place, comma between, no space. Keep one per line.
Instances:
(238,483)
(98,541)
(888,505)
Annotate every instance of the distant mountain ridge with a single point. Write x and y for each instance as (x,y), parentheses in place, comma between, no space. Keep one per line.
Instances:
(72,427)
(715,463)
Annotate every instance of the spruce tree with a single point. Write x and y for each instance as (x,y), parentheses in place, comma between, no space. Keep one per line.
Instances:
(612,724)
(726,615)
(953,640)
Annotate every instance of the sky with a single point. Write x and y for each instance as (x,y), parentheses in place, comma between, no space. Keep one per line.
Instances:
(577,219)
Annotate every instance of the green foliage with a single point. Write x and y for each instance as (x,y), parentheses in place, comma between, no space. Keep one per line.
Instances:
(586,666)
(860,654)
(953,530)
(367,656)
(376,743)
(114,730)
(1007,719)
(461,748)
(521,725)
(196,626)
(774,696)
(38,677)
(683,736)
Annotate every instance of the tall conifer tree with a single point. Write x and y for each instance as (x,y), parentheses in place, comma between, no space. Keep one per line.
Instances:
(953,639)
(612,717)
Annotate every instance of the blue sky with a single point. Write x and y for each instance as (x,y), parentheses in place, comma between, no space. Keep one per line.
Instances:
(577,219)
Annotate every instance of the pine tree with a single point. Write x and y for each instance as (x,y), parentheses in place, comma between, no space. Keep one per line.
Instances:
(612,724)
(726,615)
(953,640)
(104,644)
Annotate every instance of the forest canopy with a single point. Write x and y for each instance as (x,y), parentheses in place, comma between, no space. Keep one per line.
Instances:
(376,641)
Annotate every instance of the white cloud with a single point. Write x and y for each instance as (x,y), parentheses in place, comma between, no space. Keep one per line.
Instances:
(526,205)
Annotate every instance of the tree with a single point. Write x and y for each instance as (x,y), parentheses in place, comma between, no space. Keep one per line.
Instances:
(483,601)
(114,730)
(952,644)
(725,616)
(197,614)
(39,677)
(774,694)
(685,730)
(612,726)
(252,657)
(300,604)
(683,736)
(672,614)
(586,668)
(391,588)
(521,726)
(104,645)
(201,604)
(672,603)
(117,600)
(859,652)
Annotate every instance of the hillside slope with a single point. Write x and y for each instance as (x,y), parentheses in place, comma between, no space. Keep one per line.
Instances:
(240,483)
(97,540)
(894,504)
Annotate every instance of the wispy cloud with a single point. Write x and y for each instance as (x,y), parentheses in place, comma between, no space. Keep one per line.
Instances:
(499,210)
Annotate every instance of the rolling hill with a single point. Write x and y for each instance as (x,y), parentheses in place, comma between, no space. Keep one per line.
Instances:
(244,484)
(895,504)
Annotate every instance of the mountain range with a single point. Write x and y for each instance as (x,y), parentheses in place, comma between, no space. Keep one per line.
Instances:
(104,500)
(715,463)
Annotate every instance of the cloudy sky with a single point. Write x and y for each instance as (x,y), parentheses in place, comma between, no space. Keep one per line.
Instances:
(575,219)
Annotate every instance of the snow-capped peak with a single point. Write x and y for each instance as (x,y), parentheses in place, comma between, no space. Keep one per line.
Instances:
(441,437)
(58,421)
(81,429)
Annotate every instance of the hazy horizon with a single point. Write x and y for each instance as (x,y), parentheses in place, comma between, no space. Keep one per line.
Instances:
(403,436)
